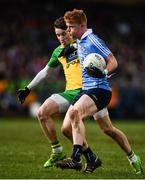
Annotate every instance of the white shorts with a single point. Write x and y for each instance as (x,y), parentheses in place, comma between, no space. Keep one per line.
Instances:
(64,105)
(61,101)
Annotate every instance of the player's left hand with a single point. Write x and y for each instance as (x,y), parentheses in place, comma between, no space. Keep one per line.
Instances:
(95,72)
(22,94)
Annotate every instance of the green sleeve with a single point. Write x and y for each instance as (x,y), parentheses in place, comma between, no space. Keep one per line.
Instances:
(54,62)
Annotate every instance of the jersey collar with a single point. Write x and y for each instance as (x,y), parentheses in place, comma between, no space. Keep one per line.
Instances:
(89,31)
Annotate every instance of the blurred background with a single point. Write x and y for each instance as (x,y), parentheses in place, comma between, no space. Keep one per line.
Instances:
(27,40)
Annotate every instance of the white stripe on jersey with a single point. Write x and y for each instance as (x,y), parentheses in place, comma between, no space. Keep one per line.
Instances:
(100,45)
(95,41)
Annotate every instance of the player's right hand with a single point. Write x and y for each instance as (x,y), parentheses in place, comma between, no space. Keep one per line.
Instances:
(95,72)
(67,50)
(22,94)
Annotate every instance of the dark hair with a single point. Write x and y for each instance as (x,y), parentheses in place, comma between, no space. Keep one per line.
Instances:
(60,23)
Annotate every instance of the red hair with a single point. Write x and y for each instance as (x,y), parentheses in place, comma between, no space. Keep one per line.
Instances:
(75,17)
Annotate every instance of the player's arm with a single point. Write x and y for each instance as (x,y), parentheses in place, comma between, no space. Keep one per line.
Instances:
(41,76)
(68,50)
(111,65)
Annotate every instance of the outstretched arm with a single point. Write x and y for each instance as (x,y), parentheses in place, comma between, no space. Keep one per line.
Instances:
(43,74)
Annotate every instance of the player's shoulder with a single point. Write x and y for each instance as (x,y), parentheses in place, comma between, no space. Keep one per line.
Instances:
(94,36)
(96,39)
(57,50)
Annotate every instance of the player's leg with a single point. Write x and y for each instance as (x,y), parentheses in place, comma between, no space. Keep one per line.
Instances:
(100,114)
(45,113)
(92,101)
(53,105)
(67,131)
(84,107)
(116,134)
(107,127)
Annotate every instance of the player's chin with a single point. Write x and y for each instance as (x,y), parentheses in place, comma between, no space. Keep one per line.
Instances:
(64,43)
(71,36)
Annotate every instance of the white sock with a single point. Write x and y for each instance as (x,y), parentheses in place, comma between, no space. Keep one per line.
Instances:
(57,149)
(133,158)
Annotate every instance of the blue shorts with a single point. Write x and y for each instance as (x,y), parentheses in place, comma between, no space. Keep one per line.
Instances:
(101,97)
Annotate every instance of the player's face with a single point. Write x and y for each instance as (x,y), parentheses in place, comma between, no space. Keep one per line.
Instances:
(63,36)
(75,30)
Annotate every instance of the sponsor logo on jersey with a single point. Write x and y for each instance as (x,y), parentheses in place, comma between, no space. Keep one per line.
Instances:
(72,59)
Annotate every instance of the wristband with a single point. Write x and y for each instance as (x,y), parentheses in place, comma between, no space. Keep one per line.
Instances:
(105,71)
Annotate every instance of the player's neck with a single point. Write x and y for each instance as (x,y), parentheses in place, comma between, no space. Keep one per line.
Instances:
(83,32)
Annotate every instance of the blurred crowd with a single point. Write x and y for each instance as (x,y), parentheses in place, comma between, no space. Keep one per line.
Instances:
(27,40)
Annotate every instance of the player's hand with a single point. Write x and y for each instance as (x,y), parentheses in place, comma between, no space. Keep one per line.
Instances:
(95,72)
(22,94)
(67,50)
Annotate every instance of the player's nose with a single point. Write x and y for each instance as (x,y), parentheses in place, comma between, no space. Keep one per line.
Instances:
(68,29)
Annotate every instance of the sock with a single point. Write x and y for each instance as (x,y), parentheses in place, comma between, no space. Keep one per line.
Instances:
(89,155)
(132,157)
(77,152)
(56,147)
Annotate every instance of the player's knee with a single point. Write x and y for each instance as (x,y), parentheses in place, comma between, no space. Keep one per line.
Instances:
(73,114)
(74,118)
(41,114)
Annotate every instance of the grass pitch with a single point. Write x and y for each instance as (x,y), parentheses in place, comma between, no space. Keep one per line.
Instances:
(24,149)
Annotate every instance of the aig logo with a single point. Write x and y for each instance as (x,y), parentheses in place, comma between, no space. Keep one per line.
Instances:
(72,56)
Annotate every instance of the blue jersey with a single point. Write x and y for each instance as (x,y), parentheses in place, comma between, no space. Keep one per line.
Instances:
(90,43)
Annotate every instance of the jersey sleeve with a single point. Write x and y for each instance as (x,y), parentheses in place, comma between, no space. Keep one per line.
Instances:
(54,62)
(100,45)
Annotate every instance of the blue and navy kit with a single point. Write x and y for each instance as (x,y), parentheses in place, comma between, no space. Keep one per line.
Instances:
(91,43)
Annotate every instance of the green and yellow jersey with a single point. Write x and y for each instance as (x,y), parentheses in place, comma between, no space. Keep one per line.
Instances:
(71,67)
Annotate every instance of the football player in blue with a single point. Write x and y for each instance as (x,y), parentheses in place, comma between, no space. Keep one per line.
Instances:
(95,95)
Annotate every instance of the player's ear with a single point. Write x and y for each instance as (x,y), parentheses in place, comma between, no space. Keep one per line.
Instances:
(82,25)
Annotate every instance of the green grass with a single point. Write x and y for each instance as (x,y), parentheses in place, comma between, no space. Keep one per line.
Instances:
(24,149)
